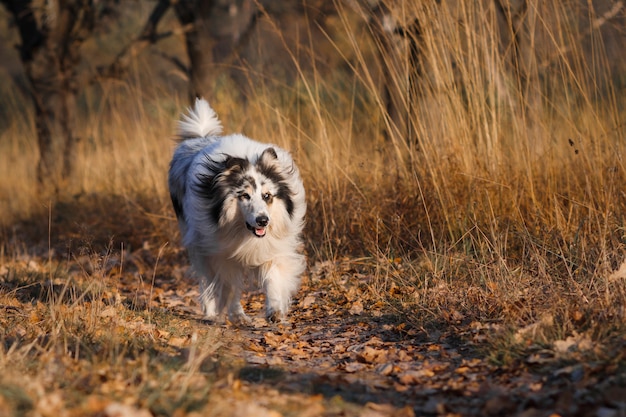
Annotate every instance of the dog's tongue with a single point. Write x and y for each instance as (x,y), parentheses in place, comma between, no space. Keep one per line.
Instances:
(260,231)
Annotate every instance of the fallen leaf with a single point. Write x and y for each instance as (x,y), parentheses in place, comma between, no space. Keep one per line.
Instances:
(372,355)
(246,409)
(253,346)
(297,353)
(273,340)
(535,330)
(122,410)
(352,367)
(257,360)
(619,274)
(50,405)
(109,311)
(574,372)
(563,346)
(576,342)
(462,370)
(308,301)
(384,410)
(453,316)
(415,377)
(576,315)
(377,410)
(357,308)
(385,369)
(339,349)
(539,358)
(178,341)
(275,361)
(162,334)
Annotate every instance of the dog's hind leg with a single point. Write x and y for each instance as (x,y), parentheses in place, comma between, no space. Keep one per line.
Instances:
(208,302)
(236,315)
(220,296)
(210,288)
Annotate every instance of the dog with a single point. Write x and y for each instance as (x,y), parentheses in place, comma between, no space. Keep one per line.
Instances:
(240,206)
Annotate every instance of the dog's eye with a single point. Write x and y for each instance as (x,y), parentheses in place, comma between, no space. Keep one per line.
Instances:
(267,197)
(244,196)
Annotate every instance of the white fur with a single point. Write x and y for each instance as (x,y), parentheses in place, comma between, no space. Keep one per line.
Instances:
(226,252)
(199,122)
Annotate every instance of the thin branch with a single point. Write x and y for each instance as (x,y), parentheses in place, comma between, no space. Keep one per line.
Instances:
(148,36)
(174,61)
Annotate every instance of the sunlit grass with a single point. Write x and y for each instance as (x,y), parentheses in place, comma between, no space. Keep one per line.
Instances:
(506,207)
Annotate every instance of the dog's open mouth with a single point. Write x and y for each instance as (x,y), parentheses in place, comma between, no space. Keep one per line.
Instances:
(258,231)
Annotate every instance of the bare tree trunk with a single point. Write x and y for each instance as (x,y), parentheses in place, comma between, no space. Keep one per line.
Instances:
(50,54)
(393,94)
(514,13)
(216,28)
(54,95)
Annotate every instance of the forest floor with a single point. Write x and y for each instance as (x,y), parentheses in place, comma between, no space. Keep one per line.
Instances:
(106,332)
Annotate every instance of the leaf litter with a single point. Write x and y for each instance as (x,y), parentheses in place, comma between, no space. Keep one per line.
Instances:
(142,349)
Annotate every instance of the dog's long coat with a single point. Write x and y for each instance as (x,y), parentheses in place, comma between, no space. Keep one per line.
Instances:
(240,206)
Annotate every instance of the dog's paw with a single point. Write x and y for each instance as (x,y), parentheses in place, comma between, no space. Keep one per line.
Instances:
(217,319)
(239,320)
(276,317)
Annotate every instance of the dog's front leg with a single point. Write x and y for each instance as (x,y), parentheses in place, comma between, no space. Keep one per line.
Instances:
(279,285)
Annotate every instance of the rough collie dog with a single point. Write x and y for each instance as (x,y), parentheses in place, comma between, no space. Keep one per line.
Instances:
(240,206)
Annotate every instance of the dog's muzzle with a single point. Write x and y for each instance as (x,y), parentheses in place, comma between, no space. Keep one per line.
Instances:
(260,229)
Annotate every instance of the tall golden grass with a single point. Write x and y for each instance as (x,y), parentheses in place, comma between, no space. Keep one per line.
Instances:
(507,207)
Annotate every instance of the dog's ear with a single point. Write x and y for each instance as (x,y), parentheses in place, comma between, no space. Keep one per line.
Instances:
(268,157)
(234,163)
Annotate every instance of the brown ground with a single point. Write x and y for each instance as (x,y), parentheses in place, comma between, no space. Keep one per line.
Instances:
(113,332)
(340,358)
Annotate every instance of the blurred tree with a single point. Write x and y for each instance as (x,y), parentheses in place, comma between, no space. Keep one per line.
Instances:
(215,30)
(263,40)
(274,42)
(398,98)
(51,35)
(227,35)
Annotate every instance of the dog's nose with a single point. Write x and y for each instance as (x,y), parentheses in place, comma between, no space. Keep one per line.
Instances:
(262,220)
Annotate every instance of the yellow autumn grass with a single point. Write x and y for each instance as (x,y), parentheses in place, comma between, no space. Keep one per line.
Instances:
(507,207)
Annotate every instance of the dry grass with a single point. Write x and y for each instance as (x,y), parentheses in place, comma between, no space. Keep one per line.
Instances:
(78,347)
(508,209)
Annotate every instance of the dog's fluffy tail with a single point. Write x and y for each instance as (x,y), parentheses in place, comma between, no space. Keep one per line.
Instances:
(199,122)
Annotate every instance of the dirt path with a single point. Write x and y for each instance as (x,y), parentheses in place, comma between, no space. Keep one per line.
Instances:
(339,358)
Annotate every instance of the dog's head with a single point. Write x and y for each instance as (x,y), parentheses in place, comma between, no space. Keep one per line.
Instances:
(254,193)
